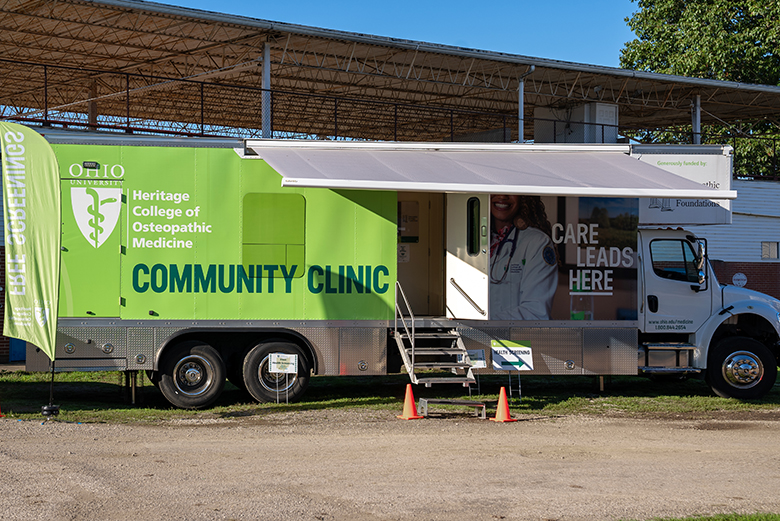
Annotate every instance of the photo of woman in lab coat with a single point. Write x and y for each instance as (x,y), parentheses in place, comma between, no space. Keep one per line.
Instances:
(523,261)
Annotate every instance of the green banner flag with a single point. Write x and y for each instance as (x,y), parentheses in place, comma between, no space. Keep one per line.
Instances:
(31,207)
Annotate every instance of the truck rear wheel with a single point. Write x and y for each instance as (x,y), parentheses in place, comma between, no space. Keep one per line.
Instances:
(741,367)
(265,386)
(192,375)
(235,375)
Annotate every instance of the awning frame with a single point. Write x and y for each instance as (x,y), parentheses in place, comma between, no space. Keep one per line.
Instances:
(282,154)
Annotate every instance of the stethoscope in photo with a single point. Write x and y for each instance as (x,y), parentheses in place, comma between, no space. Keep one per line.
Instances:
(497,253)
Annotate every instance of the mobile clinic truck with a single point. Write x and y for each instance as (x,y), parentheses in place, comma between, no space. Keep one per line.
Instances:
(196,260)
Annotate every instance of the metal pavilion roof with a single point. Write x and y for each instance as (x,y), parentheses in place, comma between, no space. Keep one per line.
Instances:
(150,66)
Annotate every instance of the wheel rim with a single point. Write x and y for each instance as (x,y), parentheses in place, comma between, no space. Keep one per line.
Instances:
(743,369)
(276,382)
(193,375)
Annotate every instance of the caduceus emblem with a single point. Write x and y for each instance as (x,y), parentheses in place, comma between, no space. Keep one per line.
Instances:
(41,315)
(96,211)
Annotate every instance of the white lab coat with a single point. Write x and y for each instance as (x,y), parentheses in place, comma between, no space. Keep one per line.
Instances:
(527,290)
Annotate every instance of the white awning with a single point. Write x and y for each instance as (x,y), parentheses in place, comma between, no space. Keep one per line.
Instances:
(576,170)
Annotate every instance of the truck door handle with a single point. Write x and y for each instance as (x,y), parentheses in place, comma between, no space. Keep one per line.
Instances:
(652,303)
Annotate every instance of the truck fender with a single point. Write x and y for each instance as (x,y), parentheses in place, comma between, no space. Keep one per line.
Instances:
(703,337)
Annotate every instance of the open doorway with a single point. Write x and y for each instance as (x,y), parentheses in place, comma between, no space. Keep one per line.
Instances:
(421,251)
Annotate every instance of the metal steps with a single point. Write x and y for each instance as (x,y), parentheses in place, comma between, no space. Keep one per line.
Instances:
(441,365)
(671,358)
(654,346)
(431,355)
(669,370)
(435,357)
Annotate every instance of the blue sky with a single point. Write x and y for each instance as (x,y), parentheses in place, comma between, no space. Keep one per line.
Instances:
(591,32)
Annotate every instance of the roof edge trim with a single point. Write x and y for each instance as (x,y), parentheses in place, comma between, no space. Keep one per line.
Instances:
(508,189)
(258,145)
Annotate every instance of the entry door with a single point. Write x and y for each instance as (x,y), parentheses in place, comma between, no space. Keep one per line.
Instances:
(420,244)
(467,256)
(673,304)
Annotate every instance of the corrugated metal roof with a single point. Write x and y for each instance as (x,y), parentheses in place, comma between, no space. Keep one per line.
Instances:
(121,54)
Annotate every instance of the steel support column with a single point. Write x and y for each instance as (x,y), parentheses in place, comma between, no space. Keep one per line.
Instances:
(265,106)
(696,120)
(521,104)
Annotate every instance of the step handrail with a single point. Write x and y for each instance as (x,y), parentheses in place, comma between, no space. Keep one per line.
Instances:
(469,299)
(399,313)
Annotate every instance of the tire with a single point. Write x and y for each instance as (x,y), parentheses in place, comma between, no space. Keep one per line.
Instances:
(235,373)
(742,368)
(269,387)
(192,375)
(154,377)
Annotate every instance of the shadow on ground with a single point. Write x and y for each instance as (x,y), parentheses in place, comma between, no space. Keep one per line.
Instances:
(24,393)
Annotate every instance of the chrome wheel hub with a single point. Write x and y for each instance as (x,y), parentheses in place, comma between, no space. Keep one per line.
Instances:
(743,369)
(277,382)
(193,375)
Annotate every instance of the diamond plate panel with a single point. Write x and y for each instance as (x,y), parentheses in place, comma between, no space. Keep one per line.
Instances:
(91,364)
(161,336)
(326,347)
(556,350)
(141,348)
(362,351)
(479,339)
(90,342)
(610,351)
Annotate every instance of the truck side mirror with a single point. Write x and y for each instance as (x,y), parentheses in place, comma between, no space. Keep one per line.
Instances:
(700,275)
(695,272)
(701,254)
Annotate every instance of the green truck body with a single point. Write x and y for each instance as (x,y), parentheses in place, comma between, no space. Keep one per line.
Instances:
(202,234)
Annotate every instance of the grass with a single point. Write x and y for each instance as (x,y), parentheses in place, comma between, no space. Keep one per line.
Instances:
(721,517)
(102,397)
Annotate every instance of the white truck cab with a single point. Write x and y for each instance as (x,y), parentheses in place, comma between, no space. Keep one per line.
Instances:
(689,322)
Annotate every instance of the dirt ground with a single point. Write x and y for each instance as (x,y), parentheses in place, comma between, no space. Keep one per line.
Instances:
(368,465)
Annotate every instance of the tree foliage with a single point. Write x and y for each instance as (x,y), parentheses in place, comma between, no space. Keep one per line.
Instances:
(734,40)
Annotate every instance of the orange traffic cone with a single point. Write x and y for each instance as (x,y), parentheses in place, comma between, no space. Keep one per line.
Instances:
(502,410)
(410,410)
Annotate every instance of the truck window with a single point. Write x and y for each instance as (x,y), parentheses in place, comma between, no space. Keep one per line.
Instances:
(273,231)
(472,226)
(674,259)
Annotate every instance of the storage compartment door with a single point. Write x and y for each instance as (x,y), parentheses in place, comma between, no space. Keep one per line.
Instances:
(92,217)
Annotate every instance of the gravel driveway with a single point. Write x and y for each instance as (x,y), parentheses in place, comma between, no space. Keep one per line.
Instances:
(368,465)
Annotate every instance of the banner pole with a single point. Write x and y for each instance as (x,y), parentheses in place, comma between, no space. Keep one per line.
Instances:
(51,410)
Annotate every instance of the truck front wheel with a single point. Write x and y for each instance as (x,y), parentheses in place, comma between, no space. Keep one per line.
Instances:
(265,386)
(192,375)
(741,367)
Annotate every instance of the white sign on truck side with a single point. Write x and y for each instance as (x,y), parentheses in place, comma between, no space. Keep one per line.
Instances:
(709,165)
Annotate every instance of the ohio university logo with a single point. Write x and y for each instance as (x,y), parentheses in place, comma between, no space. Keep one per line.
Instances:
(96,211)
